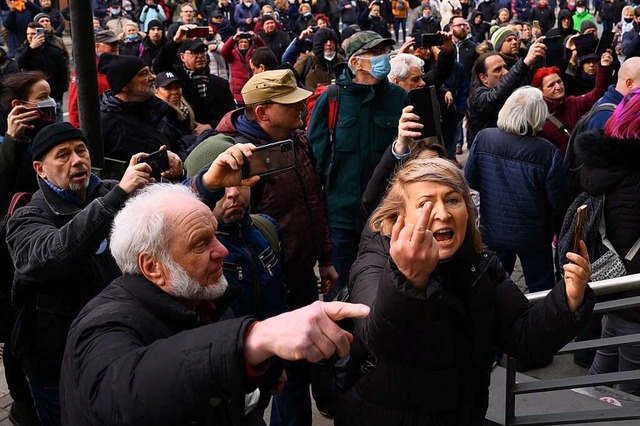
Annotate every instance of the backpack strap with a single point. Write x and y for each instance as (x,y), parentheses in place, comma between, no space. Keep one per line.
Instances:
(307,68)
(333,95)
(561,126)
(19,199)
(268,229)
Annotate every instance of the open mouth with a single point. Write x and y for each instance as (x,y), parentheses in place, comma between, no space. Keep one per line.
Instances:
(443,235)
(78,175)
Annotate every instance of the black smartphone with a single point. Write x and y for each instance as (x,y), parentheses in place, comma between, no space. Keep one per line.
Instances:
(198,32)
(425,105)
(113,169)
(578,231)
(269,159)
(555,51)
(431,39)
(159,162)
(315,28)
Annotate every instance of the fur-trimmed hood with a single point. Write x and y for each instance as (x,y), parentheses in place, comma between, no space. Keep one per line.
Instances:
(605,161)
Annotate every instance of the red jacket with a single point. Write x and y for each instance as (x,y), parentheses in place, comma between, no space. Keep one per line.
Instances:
(239,65)
(569,110)
(103,86)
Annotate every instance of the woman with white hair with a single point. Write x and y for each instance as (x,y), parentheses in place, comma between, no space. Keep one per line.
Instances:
(522,185)
(406,71)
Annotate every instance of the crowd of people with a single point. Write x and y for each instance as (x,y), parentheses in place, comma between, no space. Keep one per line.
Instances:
(190,295)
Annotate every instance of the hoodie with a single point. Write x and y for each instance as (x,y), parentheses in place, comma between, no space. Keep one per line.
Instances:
(564,33)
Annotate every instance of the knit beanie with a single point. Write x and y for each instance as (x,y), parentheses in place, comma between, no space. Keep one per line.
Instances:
(154,23)
(119,70)
(206,152)
(268,17)
(52,135)
(585,25)
(499,36)
(39,16)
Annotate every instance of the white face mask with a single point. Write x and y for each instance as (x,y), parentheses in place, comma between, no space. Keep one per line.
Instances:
(580,9)
(330,57)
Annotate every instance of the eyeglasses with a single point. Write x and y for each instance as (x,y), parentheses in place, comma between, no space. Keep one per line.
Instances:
(199,53)
(460,25)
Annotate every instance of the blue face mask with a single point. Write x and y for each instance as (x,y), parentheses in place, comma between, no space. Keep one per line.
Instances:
(115,12)
(380,66)
(131,37)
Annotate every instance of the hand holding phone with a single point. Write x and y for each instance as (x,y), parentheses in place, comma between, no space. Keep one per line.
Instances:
(269,159)
(159,162)
(431,39)
(198,32)
(425,106)
(578,231)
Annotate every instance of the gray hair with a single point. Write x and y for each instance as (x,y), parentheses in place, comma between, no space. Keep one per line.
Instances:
(401,65)
(525,111)
(140,227)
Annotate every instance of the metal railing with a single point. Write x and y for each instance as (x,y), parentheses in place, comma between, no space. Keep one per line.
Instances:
(605,287)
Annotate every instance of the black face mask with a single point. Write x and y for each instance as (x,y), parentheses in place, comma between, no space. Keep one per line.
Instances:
(628,20)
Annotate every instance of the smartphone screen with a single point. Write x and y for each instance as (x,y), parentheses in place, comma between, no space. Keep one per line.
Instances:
(425,106)
(555,51)
(431,39)
(198,32)
(578,232)
(269,159)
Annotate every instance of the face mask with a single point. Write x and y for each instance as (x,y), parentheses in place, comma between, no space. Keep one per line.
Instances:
(330,57)
(115,12)
(580,9)
(380,66)
(628,20)
(46,113)
(307,14)
(247,4)
(131,37)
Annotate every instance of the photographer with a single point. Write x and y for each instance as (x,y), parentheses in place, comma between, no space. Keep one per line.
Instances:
(237,51)
(151,11)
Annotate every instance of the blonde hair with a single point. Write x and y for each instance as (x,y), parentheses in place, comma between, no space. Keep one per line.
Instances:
(436,170)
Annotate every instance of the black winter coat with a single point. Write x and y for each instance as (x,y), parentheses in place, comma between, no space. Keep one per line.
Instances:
(138,356)
(218,100)
(435,347)
(609,167)
(49,59)
(62,260)
(132,127)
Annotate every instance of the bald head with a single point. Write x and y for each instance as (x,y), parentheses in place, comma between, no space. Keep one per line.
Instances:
(629,76)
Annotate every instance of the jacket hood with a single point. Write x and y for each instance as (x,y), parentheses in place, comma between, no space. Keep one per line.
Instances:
(320,38)
(605,161)
(473,17)
(564,13)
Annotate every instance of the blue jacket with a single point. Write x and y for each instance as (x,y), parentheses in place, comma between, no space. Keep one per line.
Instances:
(254,267)
(243,12)
(611,96)
(522,185)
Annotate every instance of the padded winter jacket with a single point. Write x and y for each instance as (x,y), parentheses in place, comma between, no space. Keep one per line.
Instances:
(239,64)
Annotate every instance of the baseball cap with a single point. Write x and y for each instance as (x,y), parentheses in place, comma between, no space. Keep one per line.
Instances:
(362,41)
(192,45)
(106,37)
(164,78)
(216,14)
(278,86)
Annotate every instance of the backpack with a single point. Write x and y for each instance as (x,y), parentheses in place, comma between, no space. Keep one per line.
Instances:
(19,199)
(573,169)
(333,96)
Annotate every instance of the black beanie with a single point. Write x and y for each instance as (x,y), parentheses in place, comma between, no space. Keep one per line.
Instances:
(154,23)
(52,135)
(119,70)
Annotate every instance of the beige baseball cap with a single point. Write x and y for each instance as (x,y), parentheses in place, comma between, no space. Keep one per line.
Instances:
(278,86)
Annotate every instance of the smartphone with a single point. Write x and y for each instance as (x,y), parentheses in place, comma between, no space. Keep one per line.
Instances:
(536,24)
(578,231)
(315,28)
(555,51)
(159,162)
(269,159)
(431,39)
(198,32)
(39,31)
(425,105)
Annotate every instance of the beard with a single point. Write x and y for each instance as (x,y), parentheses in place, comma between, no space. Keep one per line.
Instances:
(185,287)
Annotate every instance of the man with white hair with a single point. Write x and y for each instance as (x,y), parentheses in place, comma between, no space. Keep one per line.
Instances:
(156,346)
(510,160)
(406,71)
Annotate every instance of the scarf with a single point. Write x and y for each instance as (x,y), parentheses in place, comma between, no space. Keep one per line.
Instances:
(200,80)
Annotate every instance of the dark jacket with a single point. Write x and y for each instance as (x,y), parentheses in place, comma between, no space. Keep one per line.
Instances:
(501,165)
(62,260)
(426,25)
(479,32)
(376,24)
(631,42)
(599,119)
(218,101)
(312,67)
(434,348)
(57,20)
(277,41)
(609,168)
(49,59)
(241,13)
(16,169)
(367,125)
(253,267)
(150,50)
(292,198)
(16,23)
(489,10)
(466,54)
(564,33)
(545,16)
(484,103)
(136,355)
(132,127)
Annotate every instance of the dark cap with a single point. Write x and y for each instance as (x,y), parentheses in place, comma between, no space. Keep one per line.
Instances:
(192,45)
(347,32)
(164,78)
(154,23)
(39,16)
(52,135)
(119,70)
(362,41)
(217,14)
(115,3)
(581,3)
(106,37)
(268,17)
